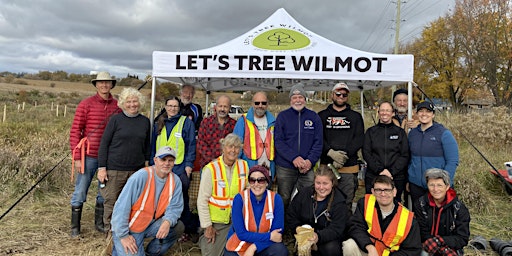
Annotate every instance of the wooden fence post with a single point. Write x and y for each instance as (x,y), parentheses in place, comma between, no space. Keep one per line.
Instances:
(57,108)
(5,113)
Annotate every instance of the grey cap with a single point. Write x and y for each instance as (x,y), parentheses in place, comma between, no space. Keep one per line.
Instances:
(165,151)
(298,89)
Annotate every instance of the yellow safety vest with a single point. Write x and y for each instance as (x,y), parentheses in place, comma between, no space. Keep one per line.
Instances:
(253,144)
(222,192)
(175,141)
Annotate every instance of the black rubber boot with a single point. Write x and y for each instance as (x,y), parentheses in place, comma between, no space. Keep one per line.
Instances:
(76,215)
(98,217)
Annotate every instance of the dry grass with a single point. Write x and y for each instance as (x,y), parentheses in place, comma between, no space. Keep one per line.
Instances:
(34,141)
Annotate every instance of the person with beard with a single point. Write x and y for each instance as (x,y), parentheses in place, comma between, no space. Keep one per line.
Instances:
(343,135)
(191,110)
(256,130)
(298,145)
(214,128)
(400,99)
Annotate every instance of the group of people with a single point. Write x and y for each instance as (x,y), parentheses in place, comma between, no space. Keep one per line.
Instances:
(144,175)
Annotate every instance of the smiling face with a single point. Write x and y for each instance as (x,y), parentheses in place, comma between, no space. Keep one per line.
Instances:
(131,105)
(298,102)
(425,116)
(323,187)
(437,188)
(187,94)
(163,166)
(401,103)
(260,104)
(258,184)
(385,113)
(103,87)
(222,107)
(172,107)
(384,193)
(230,154)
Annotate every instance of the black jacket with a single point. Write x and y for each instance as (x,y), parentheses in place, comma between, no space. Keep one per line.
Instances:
(301,212)
(359,231)
(343,130)
(386,147)
(452,224)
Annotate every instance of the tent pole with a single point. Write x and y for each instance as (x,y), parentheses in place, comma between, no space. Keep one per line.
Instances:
(409,100)
(153,93)
(362,103)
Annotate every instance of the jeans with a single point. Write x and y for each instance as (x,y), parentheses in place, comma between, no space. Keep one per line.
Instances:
(290,179)
(156,246)
(191,221)
(277,249)
(83,182)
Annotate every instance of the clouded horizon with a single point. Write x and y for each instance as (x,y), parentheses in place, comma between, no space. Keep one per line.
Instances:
(120,36)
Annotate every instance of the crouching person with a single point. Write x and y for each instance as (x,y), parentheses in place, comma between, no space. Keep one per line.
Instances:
(443,218)
(258,219)
(381,226)
(149,205)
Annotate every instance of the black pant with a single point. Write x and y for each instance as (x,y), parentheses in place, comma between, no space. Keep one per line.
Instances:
(415,192)
(190,220)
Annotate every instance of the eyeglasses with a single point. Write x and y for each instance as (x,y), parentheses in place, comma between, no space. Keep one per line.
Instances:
(383,190)
(260,180)
(171,106)
(385,111)
(339,94)
(264,103)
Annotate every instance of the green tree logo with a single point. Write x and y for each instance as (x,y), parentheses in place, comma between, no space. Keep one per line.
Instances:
(281,39)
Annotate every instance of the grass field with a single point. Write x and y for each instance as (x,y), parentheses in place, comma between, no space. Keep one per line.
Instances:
(34,141)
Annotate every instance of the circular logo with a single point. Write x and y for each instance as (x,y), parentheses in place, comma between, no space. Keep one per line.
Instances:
(281,39)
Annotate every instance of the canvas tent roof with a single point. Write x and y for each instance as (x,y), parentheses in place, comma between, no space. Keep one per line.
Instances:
(277,54)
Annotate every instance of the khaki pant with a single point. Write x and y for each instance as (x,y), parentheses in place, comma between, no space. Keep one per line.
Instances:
(111,191)
(216,248)
(350,248)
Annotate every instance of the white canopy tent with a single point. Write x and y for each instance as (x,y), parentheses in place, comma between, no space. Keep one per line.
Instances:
(277,54)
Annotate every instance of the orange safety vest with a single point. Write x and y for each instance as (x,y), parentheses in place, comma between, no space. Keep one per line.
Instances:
(234,243)
(143,211)
(221,200)
(254,149)
(396,232)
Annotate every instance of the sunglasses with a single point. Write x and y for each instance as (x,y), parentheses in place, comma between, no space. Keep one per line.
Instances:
(260,180)
(339,94)
(264,103)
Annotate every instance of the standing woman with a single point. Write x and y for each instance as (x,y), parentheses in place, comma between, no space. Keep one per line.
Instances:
(432,146)
(258,219)
(323,207)
(124,148)
(178,132)
(386,151)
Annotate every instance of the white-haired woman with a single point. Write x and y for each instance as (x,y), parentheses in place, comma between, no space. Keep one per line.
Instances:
(124,148)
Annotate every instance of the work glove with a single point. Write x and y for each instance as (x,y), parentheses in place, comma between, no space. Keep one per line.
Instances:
(337,165)
(433,245)
(338,156)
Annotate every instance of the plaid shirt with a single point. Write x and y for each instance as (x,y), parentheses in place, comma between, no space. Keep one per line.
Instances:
(208,137)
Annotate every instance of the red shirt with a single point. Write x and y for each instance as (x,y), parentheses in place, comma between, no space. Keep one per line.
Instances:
(208,137)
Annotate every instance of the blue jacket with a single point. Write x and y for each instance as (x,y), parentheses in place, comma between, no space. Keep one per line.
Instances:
(297,134)
(189,136)
(261,240)
(433,148)
(240,131)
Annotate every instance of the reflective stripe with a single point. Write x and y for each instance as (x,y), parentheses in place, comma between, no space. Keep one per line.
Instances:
(178,141)
(144,198)
(254,149)
(368,214)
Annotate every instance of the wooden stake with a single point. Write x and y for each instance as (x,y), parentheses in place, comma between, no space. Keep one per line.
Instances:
(5,113)
(57,112)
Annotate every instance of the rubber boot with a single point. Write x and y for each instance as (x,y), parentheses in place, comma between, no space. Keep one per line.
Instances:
(98,217)
(76,215)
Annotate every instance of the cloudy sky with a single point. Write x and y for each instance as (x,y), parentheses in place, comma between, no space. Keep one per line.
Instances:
(120,35)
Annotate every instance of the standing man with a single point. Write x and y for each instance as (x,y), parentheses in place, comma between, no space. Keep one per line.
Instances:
(214,128)
(343,137)
(298,145)
(149,205)
(189,109)
(91,117)
(400,99)
(256,129)
(221,180)
(381,226)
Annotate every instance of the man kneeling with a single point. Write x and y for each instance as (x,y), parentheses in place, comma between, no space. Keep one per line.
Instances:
(149,205)
(381,226)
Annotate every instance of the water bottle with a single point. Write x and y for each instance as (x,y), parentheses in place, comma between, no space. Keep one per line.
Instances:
(336,173)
